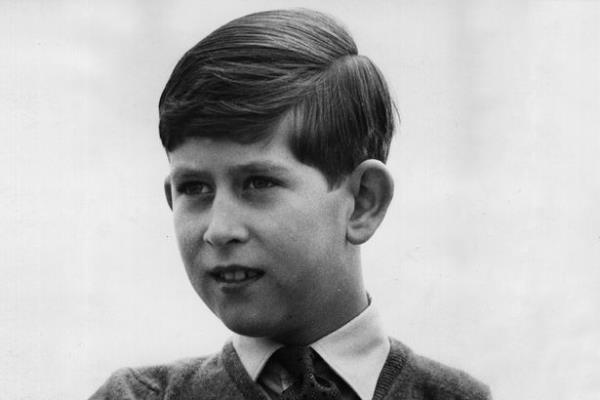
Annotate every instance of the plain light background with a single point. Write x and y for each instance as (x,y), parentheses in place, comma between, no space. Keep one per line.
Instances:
(488,259)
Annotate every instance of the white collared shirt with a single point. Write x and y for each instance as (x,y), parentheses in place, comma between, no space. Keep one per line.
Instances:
(356,352)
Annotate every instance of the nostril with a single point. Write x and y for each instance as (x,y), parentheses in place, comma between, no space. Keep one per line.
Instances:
(222,235)
(225,222)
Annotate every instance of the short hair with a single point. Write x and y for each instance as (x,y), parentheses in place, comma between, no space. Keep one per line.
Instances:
(246,76)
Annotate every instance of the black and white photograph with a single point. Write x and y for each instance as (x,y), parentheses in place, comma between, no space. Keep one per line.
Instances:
(300,200)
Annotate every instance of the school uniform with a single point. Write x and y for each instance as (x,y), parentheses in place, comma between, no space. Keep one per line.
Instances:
(363,362)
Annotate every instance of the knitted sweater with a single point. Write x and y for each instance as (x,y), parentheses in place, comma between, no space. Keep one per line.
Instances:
(405,375)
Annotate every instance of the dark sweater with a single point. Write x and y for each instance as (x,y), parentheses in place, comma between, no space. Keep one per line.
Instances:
(405,375)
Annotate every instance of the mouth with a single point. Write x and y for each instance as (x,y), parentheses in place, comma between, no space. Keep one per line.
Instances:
(235,274)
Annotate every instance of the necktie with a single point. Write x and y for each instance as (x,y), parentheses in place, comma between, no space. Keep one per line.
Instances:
(299,362)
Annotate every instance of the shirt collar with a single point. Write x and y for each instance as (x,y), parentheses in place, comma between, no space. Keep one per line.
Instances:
(356,352)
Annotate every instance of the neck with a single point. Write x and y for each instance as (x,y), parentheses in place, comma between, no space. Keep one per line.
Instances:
(327,321)
(345,299)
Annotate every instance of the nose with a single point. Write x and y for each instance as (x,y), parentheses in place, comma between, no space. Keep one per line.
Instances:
(225,223)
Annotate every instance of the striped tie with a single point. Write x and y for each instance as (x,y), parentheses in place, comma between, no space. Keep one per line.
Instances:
(299,362)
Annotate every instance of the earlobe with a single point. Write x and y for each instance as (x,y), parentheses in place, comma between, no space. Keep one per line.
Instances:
(373,188)
(168,193)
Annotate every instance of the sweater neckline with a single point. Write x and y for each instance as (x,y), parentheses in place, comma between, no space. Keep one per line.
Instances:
(238,374)
(392,368)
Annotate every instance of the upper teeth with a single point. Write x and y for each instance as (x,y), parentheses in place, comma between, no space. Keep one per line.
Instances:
(236,276)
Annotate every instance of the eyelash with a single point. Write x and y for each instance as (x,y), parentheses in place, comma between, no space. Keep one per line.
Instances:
(185,188)
(263,179)
(197,188)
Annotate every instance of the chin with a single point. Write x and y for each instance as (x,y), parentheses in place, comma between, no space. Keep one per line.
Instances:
(252,325)
(254,320)
(247,328)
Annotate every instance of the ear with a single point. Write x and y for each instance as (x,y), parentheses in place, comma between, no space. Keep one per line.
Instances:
(168,193)
(373,188)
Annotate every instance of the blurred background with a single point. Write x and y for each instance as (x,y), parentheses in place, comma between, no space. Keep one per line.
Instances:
(489,257)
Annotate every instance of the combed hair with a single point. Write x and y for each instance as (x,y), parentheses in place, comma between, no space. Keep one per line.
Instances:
(241,80)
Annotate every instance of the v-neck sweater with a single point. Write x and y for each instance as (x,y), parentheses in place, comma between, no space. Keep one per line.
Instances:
(405,375)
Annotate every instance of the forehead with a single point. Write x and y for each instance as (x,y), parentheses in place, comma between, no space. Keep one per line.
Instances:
(205,152)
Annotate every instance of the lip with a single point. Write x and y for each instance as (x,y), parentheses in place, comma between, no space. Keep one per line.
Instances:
(235,277)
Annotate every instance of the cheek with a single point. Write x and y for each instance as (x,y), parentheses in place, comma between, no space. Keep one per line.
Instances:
(323,222)
(188,235)
(310,233)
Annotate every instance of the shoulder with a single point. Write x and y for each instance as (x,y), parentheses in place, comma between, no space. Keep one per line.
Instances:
(171,380)
(433,380)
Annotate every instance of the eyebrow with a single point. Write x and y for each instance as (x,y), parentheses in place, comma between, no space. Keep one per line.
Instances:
(255,167)
(260,167)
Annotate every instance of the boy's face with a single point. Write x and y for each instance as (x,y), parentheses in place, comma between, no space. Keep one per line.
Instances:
(263,238)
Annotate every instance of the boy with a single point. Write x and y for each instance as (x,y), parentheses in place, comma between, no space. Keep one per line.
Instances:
(277,132)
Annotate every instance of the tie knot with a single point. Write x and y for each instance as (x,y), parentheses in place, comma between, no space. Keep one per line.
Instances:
(297,360)
(314,380)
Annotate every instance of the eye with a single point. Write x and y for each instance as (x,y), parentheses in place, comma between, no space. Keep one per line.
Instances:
(194,188)
(260,182)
